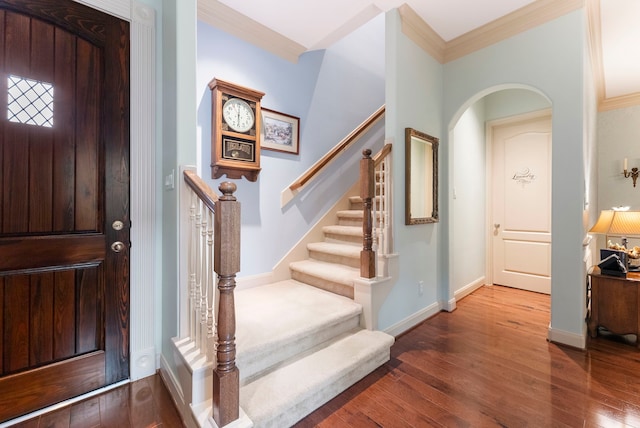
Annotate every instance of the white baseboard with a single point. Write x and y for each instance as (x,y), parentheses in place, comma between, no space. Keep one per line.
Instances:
(252,281)
(413,320)
(469,288)
(567,338)
(143,363)
(450,306)
(172,384)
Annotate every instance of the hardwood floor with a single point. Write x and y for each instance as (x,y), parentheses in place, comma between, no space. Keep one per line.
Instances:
(486,364)
(143,403)
(489,364)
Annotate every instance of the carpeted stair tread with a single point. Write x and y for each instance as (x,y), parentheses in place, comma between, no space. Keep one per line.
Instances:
(342,250)
(279,320)
(329,271)
(343,230)
(350,214)
(284,396)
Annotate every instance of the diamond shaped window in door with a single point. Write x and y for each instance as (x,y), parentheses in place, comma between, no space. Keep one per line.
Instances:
(29,101)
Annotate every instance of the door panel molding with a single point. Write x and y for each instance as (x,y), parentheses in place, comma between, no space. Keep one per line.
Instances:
(43,385)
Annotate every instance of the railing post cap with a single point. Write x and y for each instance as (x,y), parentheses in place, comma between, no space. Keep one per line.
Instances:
(227,189)
(366,153)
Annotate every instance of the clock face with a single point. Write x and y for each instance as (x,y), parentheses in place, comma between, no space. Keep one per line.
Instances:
(238,115)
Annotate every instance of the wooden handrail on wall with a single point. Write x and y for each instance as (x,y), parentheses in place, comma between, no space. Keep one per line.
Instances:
(344,144)
(225,261)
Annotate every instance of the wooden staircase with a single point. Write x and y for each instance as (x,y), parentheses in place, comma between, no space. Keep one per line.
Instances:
(301,342)
(334,264)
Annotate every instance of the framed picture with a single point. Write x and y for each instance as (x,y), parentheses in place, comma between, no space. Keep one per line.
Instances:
(280,132)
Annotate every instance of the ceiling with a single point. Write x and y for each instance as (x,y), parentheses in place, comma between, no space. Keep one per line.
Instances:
(316,24)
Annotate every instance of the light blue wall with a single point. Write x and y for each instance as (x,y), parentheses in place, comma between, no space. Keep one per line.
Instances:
(178,144)
(549,58)
(414,100)
(511,102)
(618,138)
(469,198)
(331,91)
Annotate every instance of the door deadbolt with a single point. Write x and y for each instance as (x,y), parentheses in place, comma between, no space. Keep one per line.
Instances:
(117,246)
(117,225)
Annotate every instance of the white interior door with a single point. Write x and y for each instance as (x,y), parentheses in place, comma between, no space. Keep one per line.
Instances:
(521,238)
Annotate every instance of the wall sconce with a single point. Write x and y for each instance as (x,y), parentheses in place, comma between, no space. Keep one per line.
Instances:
(633,174)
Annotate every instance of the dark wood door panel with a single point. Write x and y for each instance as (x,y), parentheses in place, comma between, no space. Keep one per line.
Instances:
(47,252)
(57,168)
(49,316)
(64,294)
(51,384)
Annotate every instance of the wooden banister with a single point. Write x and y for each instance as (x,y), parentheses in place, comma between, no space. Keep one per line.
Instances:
(382,154)
(226,377)
(343,145)
(201,189)
(215,250)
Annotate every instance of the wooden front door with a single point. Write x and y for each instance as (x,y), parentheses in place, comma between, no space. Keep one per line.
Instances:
(64,202)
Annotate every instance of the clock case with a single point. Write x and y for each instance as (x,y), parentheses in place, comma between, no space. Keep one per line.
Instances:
(236,154)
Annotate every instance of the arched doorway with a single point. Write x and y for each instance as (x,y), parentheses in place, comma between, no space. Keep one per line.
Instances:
(470,172)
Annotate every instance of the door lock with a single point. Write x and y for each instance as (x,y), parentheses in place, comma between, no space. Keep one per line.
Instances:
(117,246)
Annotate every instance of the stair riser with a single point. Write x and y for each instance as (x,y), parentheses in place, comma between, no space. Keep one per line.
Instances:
(332,258)
(342,239)
(254,366)
(324,395)
(349,221)
(322,283)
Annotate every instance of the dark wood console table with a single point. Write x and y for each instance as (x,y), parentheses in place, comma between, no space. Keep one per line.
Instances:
(615,304)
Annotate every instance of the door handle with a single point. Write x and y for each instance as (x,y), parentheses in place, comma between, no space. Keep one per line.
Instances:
(496,225)
(117,246)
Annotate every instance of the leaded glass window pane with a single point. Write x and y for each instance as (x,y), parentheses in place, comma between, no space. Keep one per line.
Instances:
(29,101)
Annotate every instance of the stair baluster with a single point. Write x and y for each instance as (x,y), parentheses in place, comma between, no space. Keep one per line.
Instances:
(381,215)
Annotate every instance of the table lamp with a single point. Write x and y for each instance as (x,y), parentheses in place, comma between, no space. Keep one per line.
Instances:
(621,223)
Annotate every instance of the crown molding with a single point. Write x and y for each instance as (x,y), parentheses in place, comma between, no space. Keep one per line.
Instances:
(416,29)
(228,20)
(623,101)
(518,21)
(595,47)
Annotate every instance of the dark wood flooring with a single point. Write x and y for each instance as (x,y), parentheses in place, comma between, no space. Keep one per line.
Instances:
(487,364)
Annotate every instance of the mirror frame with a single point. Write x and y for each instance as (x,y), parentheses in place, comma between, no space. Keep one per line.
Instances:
(432,193)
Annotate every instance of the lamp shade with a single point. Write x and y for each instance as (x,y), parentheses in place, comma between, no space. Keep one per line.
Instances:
(617,223)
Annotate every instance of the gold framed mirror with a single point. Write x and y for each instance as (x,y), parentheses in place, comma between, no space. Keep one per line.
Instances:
(421,177)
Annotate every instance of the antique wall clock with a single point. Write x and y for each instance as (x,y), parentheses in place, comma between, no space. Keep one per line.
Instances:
(235,130)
